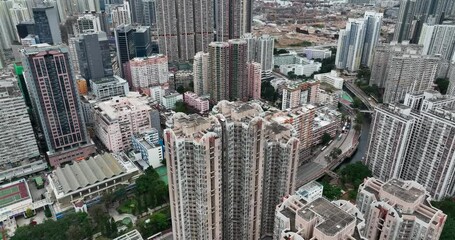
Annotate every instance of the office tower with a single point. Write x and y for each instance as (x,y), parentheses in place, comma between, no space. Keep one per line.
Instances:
(228,154)
(25,28)
(232,18)
(390,133)
(72,42)
(93,55)
(149,13)
(398,209)
(18,139)
(409,74)
(118,119)
(254,80)
(201,74)
(238,77)
(108,87)
(184,27)
(195,180)
(142,41)
(137,8)
(62,124)
(219,69)
(19,13)
(121,15)
(88,23)
(148,71)
(372,32)
(47,24)
(124,42)
(357,42)
(383,55)
(264,53)
(438,40)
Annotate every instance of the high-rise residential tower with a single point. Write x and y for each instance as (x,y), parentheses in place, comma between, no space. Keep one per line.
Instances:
(238,76)
(121,15)
(438,40)
(149,13)
(233,18)
(357,42)
(264,53)
(145,72)
(219,70)
(254,80)
(52,87)
(201,73)
(47,24)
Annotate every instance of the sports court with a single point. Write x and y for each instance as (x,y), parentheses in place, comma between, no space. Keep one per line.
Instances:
(12,193)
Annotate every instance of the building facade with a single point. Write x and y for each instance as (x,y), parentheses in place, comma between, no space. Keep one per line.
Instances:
(62,124)
(47,24)
(438,40)
(201,74)
(147,71)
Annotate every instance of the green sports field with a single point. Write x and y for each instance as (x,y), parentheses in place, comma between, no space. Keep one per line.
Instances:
(10,195)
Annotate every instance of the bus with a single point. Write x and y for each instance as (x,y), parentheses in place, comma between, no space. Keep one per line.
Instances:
(323,148)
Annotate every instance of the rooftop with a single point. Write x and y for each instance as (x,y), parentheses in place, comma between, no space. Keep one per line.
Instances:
(404,190)
(333,219)
(84,173)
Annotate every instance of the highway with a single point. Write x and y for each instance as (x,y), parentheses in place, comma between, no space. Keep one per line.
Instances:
(312,170)
(369,103)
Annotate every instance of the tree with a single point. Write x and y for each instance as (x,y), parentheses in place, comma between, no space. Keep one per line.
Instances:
(279,51)
(359,118)
(335,152)
(268,92)
(180,89)
(364,73)
(180,106)
(29,213)
(354,174)
(357,103)
(326,138)
(292,75)
(442,85)
(331,192)
(448,207)
(357,127)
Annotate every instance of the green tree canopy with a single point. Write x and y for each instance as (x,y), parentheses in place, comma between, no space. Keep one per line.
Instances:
(442,85)
(326,138)
(354,174)
(448,207)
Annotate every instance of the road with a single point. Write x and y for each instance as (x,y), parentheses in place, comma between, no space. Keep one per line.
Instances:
(309,171)
(370,103)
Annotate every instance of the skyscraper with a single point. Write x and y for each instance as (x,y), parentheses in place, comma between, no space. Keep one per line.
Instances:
(18,139)
(142,41)
(19,13)
(264,53)
(219,70)
(236,165)
(47,24)
(121,15)
(145,72)
(438,40)
(201,73)
(357,42)
(184,27)
(93,55)
(88,23)
(52,87)
(409,74)
(149,13)
(254,80)
(238,76)
(124,42)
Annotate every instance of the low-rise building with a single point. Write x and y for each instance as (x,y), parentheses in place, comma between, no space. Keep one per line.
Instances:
(199,103)
(298,93)
(170,99)
(327,120)
(330,78)
(148,145)
(305,69)
(398,209)
(88,180)
(183,78)
(108,87)
(314,53)
(117,120)
(131,235)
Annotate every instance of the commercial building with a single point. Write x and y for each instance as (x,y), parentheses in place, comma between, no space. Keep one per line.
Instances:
(88,180)
(420,154)
(117,120)
(409,74)
(121,14)
(224,152)
(357,42)
(145,72)
(47,24)
(124,43)
(332,78)
(93,55)
(398,209)
(63,124)
(147,143)
(199,103)
(298,93)
(88,23)
(382,59)
(438,40)
(18,140)
(142,41)
(19,13)
(108,87)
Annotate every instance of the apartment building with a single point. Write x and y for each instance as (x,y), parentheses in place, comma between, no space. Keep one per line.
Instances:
(298,93)
(398,209)
(145,72)
(118,119)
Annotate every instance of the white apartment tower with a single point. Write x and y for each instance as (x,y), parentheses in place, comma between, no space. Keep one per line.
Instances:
(201,73)
(264,53)
(121,14)
(438,40)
